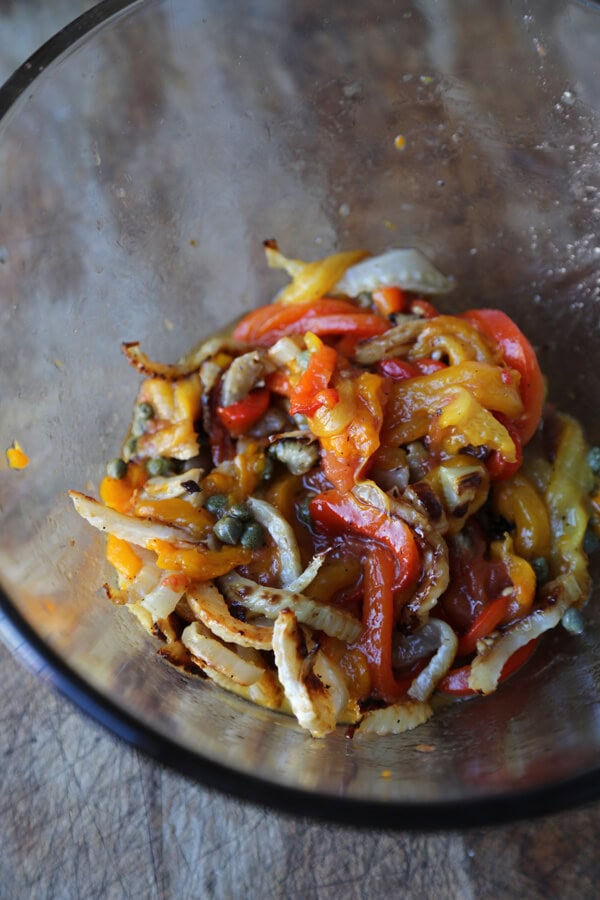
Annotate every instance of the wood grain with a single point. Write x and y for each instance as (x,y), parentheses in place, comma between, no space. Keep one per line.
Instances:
(83,815)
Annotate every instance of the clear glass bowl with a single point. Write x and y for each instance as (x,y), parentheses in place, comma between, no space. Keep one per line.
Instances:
(145,152)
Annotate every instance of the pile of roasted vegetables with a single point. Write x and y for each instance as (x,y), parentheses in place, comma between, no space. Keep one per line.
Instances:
(350,502)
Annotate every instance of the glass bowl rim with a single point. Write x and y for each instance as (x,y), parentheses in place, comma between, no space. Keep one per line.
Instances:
(49,666)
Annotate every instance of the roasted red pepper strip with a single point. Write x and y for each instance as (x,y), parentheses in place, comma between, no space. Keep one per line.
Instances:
(267,324)
(397,369)
(423,308)
(400,369)
(306,397)
(429,366)
(518,354)
(489,618)
(378,622)
(338,512)
(239,417)
(456,681)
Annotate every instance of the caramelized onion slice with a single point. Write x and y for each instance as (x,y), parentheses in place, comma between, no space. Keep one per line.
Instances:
(129,528)
(209,606)
(395,719)
(308,697)
(425,683)
(283,535)
(217,656)
(270,602)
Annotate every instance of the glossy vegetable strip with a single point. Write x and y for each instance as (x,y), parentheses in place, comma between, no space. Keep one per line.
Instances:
(389,300)
(310,280)
(518,501)
(337,512)
(488,619)
(309,393)
(265,325)
(198,562)
(456,682)
(518,354)
(239,417)
(378,623)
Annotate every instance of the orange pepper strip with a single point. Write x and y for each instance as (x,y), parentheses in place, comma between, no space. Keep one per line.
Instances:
(122,557)
(176,511)
(199,563)
(16,457)
(346,455)
(306,397)
(389,300)
(118,493)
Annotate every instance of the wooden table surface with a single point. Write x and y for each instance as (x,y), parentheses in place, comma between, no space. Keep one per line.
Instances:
(85,816)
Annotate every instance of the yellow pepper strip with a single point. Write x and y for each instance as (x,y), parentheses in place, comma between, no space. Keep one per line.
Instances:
(219,482)
(173,400)
(16,457)
(353,664)
(520,573)
(570,483)
(464,421)
(176,511)
(197,562)
(122,557)
(454,338)
(518,502)
(492,387)
(249,466)
(312,280)
(333,576)
(282,494)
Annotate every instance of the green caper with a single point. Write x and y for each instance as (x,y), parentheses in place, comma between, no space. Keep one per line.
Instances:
(267,472)
(158,465)
(116,468)
(572,621)
(303,510)
(542,570)
(145,411)
(241,511)
(216,503)
(593,460)
(130,448)
(228,530)
(591,541)
(253,536)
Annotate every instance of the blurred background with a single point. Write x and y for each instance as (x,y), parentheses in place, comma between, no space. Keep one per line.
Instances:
(26,24)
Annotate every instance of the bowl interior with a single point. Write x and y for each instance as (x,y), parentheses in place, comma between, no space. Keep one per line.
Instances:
(139,173)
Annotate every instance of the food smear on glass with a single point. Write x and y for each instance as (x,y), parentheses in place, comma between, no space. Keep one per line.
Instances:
(351,503)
